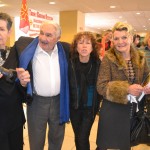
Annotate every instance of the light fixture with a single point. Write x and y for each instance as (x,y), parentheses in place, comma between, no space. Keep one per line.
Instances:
(2,5)
(52,3)
(112,6)
(138,13)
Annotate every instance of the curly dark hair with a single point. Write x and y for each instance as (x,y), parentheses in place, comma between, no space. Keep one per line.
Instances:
(85,34)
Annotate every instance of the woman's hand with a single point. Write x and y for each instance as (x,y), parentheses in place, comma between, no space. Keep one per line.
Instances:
(146,89)
(135,89)
(23,76)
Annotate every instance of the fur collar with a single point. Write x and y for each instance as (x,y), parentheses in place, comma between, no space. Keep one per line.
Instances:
(115,57)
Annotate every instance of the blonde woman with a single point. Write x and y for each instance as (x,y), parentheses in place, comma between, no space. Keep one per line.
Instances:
(122,71)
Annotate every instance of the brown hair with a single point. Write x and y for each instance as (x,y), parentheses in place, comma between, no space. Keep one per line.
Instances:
(88,35)
(7,18)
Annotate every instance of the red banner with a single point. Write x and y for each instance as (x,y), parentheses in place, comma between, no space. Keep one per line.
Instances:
(24,19)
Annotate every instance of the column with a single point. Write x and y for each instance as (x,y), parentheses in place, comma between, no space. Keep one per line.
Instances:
(71,22)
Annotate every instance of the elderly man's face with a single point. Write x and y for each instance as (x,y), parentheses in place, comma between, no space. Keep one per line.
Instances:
(47,37)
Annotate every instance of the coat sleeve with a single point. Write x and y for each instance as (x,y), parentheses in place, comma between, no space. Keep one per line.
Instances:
(114,91)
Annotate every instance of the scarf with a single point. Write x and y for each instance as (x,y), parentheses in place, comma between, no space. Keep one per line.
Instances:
(27,55)
(83,70)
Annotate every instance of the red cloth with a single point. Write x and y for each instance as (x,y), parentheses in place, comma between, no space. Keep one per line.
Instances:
(24,19)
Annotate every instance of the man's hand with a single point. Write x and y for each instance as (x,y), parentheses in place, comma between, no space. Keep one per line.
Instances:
(23,76)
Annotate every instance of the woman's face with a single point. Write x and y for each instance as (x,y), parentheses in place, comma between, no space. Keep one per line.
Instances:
(137,41)
(84,47)
(122,41)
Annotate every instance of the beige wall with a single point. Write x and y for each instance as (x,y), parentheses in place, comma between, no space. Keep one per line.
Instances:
(11,40)
(71,22)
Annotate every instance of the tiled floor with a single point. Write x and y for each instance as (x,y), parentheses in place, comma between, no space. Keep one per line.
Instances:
(68,143)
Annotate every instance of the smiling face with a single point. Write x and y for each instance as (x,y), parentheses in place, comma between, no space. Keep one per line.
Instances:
(48,37)
(122,41)
(84,48)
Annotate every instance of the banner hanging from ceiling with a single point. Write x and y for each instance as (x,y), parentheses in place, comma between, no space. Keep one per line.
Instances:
(35,20)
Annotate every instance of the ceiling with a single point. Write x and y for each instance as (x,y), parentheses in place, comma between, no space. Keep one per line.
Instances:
(98,14)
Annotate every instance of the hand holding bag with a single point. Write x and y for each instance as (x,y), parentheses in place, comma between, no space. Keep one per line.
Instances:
(140,132)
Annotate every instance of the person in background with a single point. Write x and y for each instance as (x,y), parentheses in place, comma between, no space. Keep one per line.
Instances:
(46,59)
(11,92)
(142,45)
(122,71)
(147,41)
(84,99)
(105,43)
(136,41)
(147,47)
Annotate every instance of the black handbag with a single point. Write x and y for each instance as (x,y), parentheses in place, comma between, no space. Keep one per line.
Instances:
(140,128)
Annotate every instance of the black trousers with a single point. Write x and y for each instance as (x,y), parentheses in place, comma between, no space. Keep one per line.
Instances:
(12,140)
(82,121)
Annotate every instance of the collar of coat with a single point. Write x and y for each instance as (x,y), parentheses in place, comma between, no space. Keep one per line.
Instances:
(137,57)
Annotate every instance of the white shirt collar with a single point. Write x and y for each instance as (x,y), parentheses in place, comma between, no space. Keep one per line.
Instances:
(40,50)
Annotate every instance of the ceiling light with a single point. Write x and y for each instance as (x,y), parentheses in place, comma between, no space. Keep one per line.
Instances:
(112,6)
(138,13)
(145,29)
(52,3)
(2,5)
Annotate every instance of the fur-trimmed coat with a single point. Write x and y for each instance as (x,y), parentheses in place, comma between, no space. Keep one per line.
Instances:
(113,83)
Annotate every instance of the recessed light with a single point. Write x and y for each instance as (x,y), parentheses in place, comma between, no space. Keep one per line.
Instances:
(112,6)
(145,29)
(52,3)
(2,5)
(138,13)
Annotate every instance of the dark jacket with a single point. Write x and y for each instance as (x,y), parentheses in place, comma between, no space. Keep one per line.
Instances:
(25,62)
(73,86)
(23,42)
(11,96)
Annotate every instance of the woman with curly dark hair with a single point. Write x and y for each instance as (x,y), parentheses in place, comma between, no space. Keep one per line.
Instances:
(84,99)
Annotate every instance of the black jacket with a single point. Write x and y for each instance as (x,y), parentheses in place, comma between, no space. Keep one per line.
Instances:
(11,96)
(21,44)
(73,87)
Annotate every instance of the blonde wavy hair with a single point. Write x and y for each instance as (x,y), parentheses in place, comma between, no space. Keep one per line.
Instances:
(122,26)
